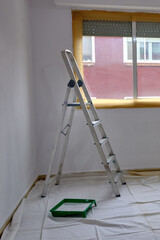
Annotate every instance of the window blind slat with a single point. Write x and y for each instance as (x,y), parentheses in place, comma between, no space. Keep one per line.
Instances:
(120,28)
(107,28)
(148,29)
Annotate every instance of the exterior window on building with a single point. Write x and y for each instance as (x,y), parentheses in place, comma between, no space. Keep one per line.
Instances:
(88,49)
(148,50)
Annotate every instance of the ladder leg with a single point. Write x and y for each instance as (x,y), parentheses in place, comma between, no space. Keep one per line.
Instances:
(46,183)
(64,147)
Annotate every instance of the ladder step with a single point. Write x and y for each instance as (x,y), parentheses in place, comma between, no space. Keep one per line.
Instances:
(76,104)
(103,141)
(110,158)
(117,176)
(96,122)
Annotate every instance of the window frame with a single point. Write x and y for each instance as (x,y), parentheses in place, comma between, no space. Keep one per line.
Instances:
(77,23)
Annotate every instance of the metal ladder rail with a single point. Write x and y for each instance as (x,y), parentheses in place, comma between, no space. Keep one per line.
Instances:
(54,150)
(72,76)
(69,66)
(63,154)
(93,111)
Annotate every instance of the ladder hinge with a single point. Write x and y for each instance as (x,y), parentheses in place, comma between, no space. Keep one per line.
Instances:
(71,83)
(80,83)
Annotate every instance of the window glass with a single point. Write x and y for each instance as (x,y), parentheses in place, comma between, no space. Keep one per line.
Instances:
(109,76)
(147,50)
(140,51)
(156,51)
(88,49)
(148,73)
(129,50)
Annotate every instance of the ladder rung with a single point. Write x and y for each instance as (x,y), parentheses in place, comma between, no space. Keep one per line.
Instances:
(103,141)
(117,176)
(110,158)
(76,104)
(96,122)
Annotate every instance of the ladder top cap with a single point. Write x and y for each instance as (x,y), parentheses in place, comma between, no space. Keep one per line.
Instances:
(67,51)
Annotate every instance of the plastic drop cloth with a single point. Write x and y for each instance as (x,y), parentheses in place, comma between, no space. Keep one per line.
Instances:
(134,215)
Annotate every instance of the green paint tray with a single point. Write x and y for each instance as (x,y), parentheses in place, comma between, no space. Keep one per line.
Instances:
(70,207)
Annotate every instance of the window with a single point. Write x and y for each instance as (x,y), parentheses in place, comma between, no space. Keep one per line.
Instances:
(148,50)
(88,50)
(127,54)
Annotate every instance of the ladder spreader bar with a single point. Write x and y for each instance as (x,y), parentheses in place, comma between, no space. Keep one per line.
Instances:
(73,104)
(76,104)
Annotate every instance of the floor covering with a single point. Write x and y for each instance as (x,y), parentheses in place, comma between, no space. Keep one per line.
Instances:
(135,215)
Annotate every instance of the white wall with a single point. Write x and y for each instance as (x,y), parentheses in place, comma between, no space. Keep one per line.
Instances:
(134,133)
(17,137)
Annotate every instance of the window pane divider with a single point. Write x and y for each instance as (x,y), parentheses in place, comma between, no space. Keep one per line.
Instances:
(134,54)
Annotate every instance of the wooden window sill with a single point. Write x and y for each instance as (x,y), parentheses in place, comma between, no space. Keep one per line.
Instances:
(129,103)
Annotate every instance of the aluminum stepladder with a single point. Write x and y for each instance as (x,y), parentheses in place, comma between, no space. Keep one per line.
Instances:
(93,122)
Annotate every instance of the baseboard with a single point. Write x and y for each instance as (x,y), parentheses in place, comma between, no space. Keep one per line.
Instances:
(144,172)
